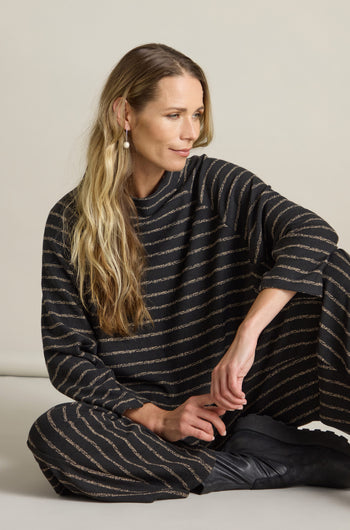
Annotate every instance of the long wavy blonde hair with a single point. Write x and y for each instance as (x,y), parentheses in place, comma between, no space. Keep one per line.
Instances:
(106,252)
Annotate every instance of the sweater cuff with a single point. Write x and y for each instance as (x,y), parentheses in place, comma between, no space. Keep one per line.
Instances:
(128,403)
(310,285)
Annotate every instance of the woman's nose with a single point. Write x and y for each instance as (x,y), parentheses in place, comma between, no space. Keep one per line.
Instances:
(189,129)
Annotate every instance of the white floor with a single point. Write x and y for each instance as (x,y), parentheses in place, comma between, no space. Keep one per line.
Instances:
(27,501)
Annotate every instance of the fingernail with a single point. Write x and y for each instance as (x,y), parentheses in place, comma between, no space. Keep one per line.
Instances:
(224,433)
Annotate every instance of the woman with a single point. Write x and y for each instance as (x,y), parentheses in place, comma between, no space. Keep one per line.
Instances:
(168,283)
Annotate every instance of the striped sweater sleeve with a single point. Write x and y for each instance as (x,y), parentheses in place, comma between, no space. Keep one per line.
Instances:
(70,346)
(289,244)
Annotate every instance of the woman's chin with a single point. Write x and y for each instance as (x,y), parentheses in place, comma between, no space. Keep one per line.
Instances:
(178,165)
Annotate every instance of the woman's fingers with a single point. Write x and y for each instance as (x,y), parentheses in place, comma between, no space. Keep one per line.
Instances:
(214,419)
(220,411)
(202,400)
(202,416)
(197,417)
(226,390)
(230,404)
(210,413)
(200,434)
(234,383)
(202,426)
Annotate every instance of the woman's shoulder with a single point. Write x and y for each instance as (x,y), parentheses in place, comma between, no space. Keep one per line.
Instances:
(212,176)
(64,210)
(200,163)
(204,166)
(60,220)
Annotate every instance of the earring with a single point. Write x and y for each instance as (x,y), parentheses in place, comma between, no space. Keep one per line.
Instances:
(126,144)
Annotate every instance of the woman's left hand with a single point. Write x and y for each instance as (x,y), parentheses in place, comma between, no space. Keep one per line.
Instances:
(228,375)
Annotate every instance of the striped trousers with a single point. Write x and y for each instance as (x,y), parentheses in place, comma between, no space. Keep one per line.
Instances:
(301,373)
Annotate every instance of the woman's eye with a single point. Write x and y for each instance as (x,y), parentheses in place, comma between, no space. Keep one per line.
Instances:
(176,115)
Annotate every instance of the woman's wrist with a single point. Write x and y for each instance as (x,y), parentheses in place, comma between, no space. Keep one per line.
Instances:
(249,328)
(149,415)
(267,305)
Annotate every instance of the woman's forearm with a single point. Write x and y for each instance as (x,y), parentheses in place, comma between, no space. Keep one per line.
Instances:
(228,374)
(266,306)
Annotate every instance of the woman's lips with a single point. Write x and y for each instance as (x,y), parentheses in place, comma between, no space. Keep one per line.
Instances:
(182,152)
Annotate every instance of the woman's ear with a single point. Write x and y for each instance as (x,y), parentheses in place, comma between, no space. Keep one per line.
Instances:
(121,109)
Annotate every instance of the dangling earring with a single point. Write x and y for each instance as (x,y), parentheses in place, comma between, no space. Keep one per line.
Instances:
(126,144)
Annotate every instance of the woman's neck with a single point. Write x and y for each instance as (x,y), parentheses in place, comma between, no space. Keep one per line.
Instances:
(143,184)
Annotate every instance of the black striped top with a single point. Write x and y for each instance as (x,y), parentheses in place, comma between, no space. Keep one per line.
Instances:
(214,235)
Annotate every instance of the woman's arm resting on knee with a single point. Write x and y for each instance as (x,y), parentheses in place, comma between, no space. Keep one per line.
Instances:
(227,376)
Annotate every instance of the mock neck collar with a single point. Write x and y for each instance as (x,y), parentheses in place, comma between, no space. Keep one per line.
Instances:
(166,188)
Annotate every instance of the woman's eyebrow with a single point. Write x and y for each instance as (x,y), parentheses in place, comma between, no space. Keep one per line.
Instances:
(182,109)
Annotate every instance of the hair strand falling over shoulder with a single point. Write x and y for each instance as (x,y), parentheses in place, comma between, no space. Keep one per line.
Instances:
(106,251)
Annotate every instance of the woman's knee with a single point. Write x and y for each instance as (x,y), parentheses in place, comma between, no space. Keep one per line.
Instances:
(44,435)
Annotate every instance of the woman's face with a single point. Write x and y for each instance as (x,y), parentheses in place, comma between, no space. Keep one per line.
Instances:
(163,133)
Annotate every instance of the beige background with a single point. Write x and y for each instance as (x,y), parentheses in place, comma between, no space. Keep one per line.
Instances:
(280,78)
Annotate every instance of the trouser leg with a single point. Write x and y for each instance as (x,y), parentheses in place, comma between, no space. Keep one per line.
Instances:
(87,451)
(334,343)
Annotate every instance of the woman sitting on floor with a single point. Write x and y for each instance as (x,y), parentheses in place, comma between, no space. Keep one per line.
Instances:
(194,315)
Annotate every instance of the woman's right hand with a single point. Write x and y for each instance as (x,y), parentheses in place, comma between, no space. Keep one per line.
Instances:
(196,417)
